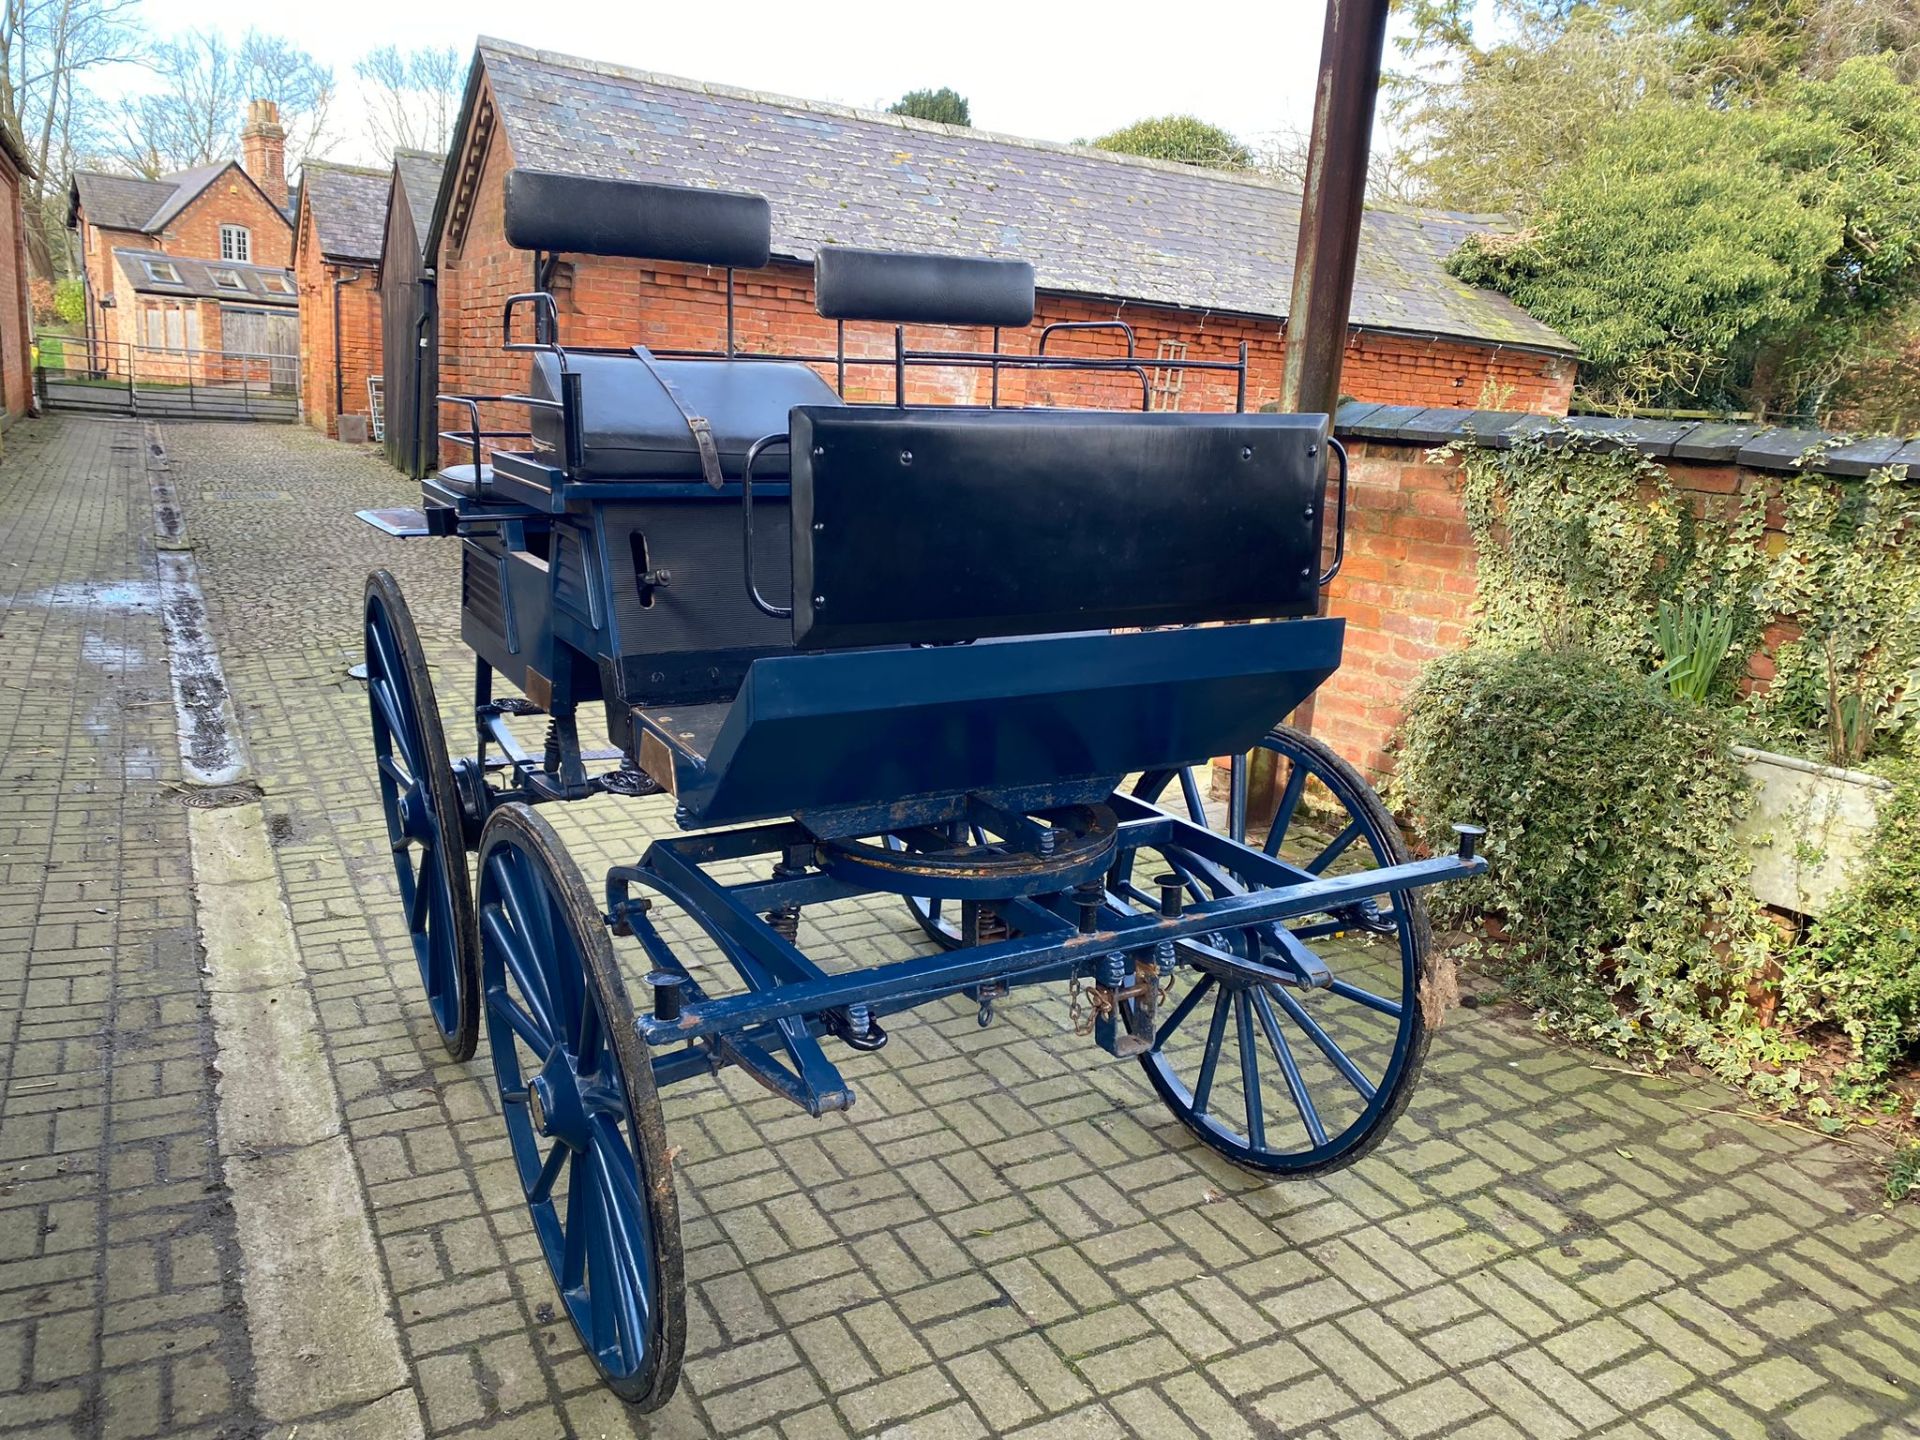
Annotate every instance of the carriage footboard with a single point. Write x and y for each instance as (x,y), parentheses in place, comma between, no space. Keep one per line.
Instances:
(846,740)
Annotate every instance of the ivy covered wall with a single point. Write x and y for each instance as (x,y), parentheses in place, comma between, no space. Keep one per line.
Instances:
(1407,589)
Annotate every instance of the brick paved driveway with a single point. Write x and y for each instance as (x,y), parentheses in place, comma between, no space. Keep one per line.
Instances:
(1007,1234)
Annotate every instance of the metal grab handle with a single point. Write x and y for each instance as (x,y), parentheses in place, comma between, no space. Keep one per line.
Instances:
(475,437)
(1074,326)
(1340,523)
(543,308)
(472,406)
(760,602)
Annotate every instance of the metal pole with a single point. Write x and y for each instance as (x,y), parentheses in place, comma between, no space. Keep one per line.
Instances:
(1330,207)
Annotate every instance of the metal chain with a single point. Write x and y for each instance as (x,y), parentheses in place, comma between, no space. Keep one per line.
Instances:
(1076,987)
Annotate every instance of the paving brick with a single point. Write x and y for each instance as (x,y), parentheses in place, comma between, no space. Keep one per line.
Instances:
(1001,1234)
(897,1399)
(101,1008)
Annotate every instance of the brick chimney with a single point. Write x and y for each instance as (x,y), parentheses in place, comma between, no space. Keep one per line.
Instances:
(263,150)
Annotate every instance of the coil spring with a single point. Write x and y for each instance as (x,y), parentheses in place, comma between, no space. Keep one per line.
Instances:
(785,922)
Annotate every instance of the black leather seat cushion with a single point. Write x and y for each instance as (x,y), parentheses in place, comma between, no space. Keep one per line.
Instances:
(633,430)
(466,480)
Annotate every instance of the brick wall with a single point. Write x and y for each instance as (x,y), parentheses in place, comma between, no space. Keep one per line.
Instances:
(360,345)
(1406,591)
(230,200)
(623,302)
(104,279)
(16,326)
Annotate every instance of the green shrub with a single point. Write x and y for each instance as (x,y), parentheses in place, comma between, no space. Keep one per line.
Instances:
(1581,546)
(1184,138)
(1589,725)
(70,301)
(1903,1172)
(946,105)
(1619,892)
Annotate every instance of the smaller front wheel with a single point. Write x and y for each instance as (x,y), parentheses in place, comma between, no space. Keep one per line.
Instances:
(583,1117)
(1300,1079)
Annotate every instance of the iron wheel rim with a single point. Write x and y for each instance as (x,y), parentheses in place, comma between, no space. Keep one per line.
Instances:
(588,1117)
(422,811)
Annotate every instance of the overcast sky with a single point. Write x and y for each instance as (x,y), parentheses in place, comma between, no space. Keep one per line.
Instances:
(1049,70)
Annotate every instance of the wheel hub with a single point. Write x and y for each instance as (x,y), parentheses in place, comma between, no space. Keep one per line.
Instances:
(415,814)
(554,1104)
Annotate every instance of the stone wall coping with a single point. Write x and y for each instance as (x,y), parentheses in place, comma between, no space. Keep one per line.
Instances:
(1756,447)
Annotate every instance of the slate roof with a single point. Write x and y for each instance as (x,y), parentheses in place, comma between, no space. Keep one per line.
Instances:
(1090,222)
(16,151)
(349,204)
(128,202)
(120,202)
(196,278)
(186,186)
(420,172)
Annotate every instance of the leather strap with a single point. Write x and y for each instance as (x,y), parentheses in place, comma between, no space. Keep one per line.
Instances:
(697,424)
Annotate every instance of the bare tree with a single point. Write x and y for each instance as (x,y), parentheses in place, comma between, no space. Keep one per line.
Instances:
(1282,155)
(300,85)
(413,96)
(46,46)
(194,119)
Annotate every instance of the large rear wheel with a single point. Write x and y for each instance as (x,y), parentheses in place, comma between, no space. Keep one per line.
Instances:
(423,815)
(1299,1078)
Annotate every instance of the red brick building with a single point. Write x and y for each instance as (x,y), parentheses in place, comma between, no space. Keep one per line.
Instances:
(340,223)
(228,213)
(16,312)
(1195,261)
(207,322)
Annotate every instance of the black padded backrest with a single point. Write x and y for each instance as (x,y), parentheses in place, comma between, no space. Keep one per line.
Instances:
(584,215)
(906,289)
(632,430)
(933,525)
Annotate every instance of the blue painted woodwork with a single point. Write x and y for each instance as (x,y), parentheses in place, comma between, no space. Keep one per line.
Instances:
(840,730)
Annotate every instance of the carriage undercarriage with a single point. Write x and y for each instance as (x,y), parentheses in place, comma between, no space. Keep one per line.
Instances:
(1031,791)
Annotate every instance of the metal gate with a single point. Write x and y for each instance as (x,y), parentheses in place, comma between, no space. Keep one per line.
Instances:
(178,382)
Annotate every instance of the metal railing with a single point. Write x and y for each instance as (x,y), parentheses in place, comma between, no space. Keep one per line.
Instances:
(119,377)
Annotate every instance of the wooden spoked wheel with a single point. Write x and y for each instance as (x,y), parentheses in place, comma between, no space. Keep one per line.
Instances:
(583,1117)
(423,815)
(1298,1079)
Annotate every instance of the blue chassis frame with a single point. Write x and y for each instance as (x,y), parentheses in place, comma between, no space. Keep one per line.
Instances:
(788,995)
(790,1003)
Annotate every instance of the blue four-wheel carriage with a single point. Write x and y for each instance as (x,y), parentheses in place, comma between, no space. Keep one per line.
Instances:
(968,657)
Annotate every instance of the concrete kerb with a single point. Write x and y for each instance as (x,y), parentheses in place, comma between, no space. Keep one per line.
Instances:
(327,1354)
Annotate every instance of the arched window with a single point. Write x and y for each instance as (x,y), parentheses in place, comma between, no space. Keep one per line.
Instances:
(236,243)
